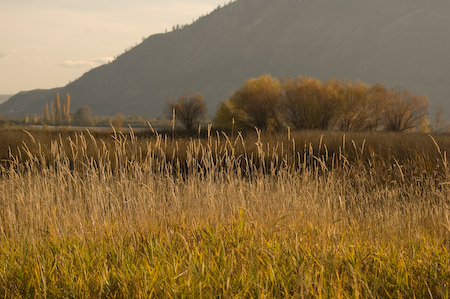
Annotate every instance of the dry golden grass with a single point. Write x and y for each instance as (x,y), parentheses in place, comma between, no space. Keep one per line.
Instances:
(306,214)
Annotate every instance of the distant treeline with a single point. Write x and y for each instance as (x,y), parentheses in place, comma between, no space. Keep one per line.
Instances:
(307,103)
(57,114)
(268,103)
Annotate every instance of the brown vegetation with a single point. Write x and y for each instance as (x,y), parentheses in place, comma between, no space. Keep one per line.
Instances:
(403,110)
(296,214)
(189,109)
(307,103)
(83,117)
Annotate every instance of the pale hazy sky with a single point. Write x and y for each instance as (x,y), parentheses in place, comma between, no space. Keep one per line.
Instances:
(47,43)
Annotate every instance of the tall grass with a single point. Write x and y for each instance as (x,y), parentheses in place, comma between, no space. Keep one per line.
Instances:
(289,215)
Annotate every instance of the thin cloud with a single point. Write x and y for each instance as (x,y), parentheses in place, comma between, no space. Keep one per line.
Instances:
(92,62)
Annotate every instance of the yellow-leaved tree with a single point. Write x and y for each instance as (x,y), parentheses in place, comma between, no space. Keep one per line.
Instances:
(255,104)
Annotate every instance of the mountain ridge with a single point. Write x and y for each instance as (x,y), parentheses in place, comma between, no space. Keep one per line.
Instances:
(404,44)
(4,97)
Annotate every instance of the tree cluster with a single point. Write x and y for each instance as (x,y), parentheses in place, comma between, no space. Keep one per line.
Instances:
(57,114)
(307,103)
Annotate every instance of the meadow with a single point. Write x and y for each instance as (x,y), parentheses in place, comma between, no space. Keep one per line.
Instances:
(289,214)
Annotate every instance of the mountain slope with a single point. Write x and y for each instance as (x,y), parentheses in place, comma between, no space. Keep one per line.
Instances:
(403,43)
(4,98)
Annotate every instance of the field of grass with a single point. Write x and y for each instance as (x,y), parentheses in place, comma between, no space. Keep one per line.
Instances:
(294,214)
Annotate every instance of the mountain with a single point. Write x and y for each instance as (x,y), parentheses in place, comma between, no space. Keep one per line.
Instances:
(401,43)
(4,98)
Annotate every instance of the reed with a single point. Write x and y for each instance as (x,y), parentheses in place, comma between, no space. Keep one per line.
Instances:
(301,214)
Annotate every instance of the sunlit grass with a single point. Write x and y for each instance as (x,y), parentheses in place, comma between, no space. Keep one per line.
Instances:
(123,216)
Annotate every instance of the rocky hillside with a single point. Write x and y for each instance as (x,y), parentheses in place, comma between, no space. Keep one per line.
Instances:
(401,43)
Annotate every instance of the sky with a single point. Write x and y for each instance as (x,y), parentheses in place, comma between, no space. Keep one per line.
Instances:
(48,43)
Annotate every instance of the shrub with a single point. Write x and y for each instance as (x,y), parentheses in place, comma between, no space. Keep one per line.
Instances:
(189,109)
